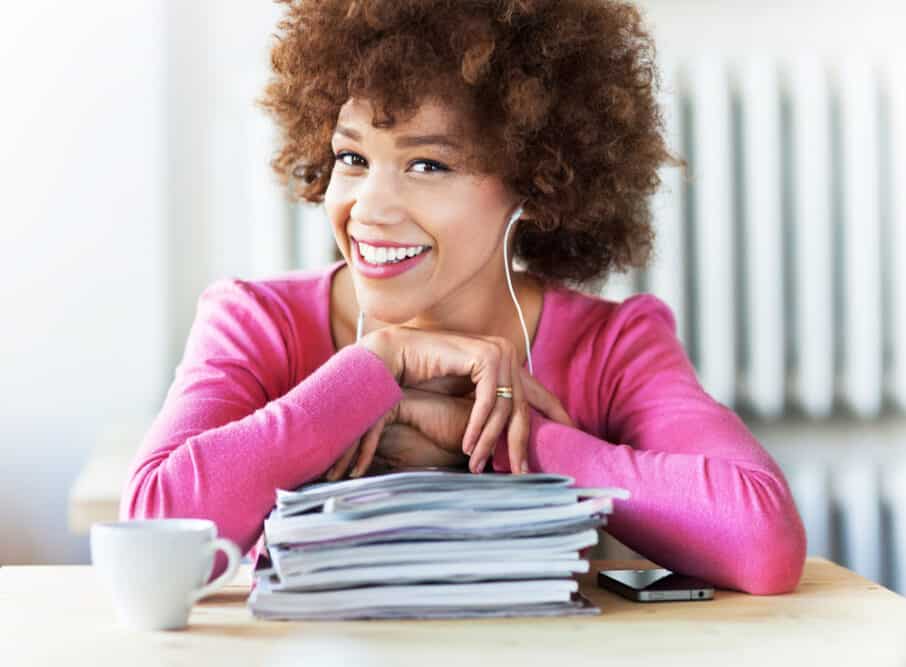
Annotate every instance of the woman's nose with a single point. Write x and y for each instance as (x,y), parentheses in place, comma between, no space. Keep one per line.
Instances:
(377,200)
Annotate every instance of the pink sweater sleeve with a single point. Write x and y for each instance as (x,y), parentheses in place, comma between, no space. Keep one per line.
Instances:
(707,499)
(234,428)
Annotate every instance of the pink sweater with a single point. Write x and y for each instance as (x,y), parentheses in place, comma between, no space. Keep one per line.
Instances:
(262,400)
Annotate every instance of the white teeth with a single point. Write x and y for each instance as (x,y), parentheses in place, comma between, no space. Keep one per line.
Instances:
(384,255)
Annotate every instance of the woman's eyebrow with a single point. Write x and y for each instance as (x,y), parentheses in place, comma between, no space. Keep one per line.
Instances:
(407,141)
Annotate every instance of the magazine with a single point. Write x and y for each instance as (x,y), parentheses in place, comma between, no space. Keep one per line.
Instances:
(429,544)
(327,527)
(548,597)
(289,562)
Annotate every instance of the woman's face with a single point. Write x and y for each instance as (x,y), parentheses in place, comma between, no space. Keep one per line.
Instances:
(406,188)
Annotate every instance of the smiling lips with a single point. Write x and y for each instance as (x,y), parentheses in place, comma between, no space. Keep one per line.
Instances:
(375,254)
(387,261)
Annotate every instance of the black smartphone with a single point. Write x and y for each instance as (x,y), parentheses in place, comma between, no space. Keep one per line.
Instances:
(659,585)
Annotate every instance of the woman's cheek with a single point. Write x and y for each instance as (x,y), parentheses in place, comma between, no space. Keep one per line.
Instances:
(338,220)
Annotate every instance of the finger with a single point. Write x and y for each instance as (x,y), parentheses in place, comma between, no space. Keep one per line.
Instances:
(486,376)
(518,431)
(368,448)
(363,460)
(340,465)
(542,400)
(339,468)
(330,475)
(500,413)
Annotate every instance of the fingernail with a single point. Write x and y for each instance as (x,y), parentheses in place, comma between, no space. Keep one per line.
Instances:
(355,473)
(525,467)
(480,466)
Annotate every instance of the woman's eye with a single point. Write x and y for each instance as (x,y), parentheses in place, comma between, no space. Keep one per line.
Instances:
(431,166)
(349,159)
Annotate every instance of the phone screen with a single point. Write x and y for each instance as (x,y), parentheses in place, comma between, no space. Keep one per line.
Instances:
(657,585)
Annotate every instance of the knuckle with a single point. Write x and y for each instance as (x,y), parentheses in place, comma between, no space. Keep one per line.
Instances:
(492,358)
(505,348)
(493,352)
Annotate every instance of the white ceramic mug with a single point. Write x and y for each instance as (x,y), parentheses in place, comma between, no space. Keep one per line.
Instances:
(156,569)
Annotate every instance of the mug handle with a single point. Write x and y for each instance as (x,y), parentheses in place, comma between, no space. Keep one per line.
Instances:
(233,558)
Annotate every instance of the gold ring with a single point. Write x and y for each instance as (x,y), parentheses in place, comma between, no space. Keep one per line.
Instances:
(505,392)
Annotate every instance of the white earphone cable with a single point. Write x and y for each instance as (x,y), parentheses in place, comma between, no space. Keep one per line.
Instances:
(509,283)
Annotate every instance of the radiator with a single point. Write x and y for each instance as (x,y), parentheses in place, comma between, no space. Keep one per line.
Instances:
(780,251)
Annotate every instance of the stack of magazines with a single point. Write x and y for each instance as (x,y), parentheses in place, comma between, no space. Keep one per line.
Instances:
(429,544)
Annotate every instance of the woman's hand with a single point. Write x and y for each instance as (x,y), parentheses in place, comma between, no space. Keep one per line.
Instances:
(415,356)
(426,427)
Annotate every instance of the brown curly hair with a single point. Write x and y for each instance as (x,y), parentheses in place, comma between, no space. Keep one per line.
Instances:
(560,97)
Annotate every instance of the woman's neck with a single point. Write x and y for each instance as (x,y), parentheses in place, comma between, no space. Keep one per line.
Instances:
(494,315)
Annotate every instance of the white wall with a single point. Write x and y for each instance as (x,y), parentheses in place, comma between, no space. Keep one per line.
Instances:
(81,232)
(831,28)
(126,139)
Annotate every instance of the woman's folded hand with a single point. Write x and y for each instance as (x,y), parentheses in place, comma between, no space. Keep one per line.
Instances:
(491,363)
(426,427)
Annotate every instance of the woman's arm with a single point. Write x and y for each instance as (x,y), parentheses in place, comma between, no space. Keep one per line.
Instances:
(707,499)
(233,429)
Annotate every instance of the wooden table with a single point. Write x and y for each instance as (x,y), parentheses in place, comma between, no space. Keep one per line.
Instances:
(60,615)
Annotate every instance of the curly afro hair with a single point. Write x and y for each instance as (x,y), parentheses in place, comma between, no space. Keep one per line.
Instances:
(560,96)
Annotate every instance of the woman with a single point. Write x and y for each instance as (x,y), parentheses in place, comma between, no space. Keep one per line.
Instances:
(445,139)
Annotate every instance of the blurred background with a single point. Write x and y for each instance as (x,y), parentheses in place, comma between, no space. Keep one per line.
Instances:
(134,172)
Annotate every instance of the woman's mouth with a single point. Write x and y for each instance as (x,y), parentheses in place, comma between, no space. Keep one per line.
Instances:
(383,262)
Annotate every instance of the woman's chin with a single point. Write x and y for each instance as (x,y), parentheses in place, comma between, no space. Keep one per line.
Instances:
(386,313)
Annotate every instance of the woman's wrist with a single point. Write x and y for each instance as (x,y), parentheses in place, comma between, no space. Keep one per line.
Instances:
(383,344)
